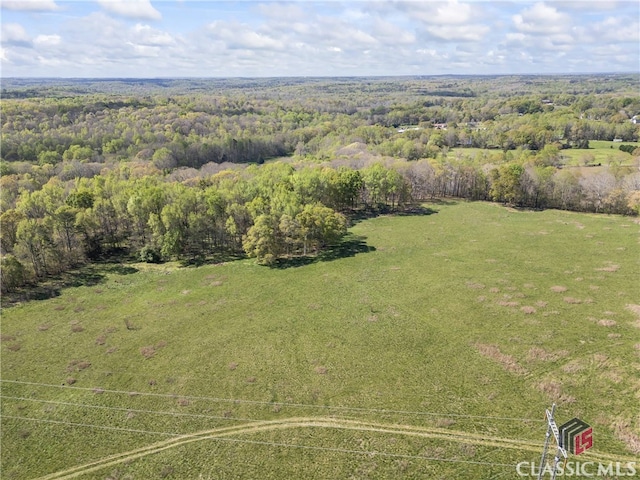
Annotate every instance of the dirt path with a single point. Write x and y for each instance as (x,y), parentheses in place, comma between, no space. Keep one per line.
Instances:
(312,422)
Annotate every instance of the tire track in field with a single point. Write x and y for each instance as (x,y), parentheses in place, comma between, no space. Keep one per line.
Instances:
(311,422)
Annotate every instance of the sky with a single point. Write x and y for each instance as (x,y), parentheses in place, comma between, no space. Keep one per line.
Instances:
(188,38)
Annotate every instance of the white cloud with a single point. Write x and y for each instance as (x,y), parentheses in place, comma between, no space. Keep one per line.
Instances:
(542,19)
(139,9)
(449,13)
(145,35)
(465,33)
(14,34)
(47,40)
(30,5)
(239,36)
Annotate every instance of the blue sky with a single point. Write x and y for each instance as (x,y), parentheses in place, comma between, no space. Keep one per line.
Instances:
(183,38)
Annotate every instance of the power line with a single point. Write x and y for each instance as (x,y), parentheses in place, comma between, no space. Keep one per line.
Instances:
(283,404)
(258,442)
(154,412)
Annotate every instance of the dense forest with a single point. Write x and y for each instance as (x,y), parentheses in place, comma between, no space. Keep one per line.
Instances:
(186,169)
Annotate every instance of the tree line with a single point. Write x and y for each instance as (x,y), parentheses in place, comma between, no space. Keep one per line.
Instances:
(266,211)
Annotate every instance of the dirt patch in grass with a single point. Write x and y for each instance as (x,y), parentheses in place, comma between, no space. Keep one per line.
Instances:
(320,370)
(625,431)
(529,285)
(183,402)
(634,309)
(70,381)
(504,303)
(611,267)
(542,355)
(573,367)
(553,389)
(101,340)
(216,283)
(148,351)
(251,380)
(614,335)
(44,327)
(541,304)
(475,285)
(372,318)
(77,328)
(7,338)
(607,323)
(78,365)
(494,290)
(112,349)
(14,347)
(558,289)
(506,361)
(594,287)
(572,300)
(444,422)
(528,309)
(233,366)
(59,308)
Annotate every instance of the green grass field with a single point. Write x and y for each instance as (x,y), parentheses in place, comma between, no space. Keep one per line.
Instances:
(429,348)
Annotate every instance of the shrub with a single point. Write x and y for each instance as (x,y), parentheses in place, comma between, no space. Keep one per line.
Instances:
(150,254)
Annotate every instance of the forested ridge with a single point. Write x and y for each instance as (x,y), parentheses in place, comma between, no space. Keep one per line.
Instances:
(185,169)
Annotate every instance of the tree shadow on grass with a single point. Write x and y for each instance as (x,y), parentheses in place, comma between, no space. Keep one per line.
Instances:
(350,246)
(86,276)
(357,216)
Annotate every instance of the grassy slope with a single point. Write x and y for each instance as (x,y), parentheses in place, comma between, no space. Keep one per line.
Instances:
(429,320)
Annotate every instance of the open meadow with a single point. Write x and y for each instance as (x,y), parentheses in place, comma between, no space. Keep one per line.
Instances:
(426,346)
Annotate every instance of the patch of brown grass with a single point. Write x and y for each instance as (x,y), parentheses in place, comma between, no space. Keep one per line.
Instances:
(506,361)
(183,402)
(529,285)
(321,370)
(572,300)
(634,309)
(573,367)
(553,389)
(541,303)
(70,381)
(78,365)
(625,431)
(233,366)
(148,351)
(542,355)
(101,340)
(444,422)
(372,318)
(614,335)
(44,327)
(594,287)
(251,380)
(475,285)
(607,323)
(112,349)
(217,283)
(14,347)
(611,267)
(502,303)
(7,338)
(494,290)
(558,289)
(528,310)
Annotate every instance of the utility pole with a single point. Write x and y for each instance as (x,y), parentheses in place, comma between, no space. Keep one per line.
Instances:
(552,427)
